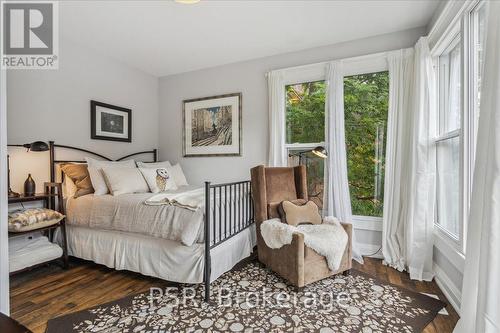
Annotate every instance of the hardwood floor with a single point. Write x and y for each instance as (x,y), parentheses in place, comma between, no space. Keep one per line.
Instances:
(49,292)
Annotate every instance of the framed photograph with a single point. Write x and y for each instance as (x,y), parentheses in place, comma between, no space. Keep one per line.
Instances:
(110,122)
(212,126)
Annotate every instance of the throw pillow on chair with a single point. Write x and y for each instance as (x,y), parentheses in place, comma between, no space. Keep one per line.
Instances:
(296,214)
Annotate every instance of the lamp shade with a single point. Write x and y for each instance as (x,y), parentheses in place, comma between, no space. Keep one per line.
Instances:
(37,146)
(320,152)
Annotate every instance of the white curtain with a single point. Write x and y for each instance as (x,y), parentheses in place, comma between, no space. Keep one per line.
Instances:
(480,306)
(410,179)
(420,225)
(400,64)
(277,153)
(336,194)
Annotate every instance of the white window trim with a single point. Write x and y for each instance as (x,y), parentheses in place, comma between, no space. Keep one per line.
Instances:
(460,25)
(370,223)
(371,63)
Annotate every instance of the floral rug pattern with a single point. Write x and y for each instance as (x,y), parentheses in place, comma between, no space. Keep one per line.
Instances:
(253,299)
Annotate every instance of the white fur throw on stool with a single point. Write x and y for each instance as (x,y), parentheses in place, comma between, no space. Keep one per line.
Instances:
(329,239)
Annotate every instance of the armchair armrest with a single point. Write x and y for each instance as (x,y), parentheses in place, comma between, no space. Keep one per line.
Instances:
(348,228)
(287,261)
(348,256)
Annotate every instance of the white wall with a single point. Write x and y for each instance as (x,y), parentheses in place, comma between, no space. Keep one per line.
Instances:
(4,250)
(249,79)
(55,105)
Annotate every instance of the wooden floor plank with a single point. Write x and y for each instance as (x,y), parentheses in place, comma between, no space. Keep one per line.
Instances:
(49,292)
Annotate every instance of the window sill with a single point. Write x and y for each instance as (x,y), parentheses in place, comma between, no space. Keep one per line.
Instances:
(367,223)
(450,250)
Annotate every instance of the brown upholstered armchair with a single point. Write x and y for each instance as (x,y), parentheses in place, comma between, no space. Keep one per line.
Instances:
(295,262)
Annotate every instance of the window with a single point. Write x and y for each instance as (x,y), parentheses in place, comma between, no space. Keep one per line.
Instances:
(448,141)
(366,102)
(459,63)
(477,26)
(305,130)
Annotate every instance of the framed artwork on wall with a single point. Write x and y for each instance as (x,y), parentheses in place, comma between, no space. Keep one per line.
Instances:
(212,126)
(110,122)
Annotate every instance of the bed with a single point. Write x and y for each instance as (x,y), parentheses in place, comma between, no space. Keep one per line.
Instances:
(164,241)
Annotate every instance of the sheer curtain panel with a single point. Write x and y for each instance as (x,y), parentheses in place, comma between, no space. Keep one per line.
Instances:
(480,306)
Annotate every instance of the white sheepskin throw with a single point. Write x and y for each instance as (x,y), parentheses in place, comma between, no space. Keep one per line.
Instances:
(328,239)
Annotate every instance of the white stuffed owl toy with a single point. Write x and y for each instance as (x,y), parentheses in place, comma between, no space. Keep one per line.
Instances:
(162,177)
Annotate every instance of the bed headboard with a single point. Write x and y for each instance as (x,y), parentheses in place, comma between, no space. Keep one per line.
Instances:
(54,162)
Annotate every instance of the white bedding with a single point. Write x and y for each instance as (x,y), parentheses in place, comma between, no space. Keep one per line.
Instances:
(128,213)
(161,258)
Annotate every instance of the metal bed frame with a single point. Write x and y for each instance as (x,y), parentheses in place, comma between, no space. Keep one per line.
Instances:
(235,215)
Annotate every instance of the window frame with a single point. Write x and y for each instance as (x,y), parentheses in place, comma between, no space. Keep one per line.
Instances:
(297,75)
(466,28)
(367,64)
(447,44)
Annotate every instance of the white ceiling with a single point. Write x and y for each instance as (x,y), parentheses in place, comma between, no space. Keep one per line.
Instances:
(163,37)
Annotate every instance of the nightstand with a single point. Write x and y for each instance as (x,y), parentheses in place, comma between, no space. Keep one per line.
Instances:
(52,198)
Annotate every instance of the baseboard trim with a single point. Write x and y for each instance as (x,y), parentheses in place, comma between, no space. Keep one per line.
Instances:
(368,250)
(448,288)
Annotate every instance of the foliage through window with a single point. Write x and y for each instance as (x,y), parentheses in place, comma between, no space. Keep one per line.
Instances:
(366,106)
(366,102)
(305,112)
(305,129)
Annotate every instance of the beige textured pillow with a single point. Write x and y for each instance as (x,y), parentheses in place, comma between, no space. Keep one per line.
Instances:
(33,218)
(79,175)
(96,174)
(300,214)
(125,180)
(178,174)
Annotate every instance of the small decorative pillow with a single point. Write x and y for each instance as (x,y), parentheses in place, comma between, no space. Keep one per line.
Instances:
(158,179)
(125,180)
(274,208)
(293,214)
(33,218)
(79,174)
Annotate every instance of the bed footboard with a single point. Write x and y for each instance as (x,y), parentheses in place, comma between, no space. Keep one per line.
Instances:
(228,211)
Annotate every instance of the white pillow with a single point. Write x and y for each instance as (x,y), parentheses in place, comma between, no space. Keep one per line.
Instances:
(151,165)
(158,179)
(180,179)
(125,180)
(95,171)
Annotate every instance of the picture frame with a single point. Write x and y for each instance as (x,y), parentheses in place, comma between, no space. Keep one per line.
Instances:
(110,122)
(212,126)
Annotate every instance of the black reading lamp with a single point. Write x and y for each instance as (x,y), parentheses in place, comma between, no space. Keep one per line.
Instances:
(34,146)
(319,151)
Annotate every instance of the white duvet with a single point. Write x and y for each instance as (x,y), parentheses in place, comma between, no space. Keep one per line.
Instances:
(129,213)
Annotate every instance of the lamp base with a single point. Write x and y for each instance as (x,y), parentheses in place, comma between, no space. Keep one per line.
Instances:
(13,194)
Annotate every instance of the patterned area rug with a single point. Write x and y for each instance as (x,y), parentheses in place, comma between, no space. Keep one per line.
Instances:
(253,299)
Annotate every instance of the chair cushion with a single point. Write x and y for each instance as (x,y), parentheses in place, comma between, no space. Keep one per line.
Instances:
(295,214)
